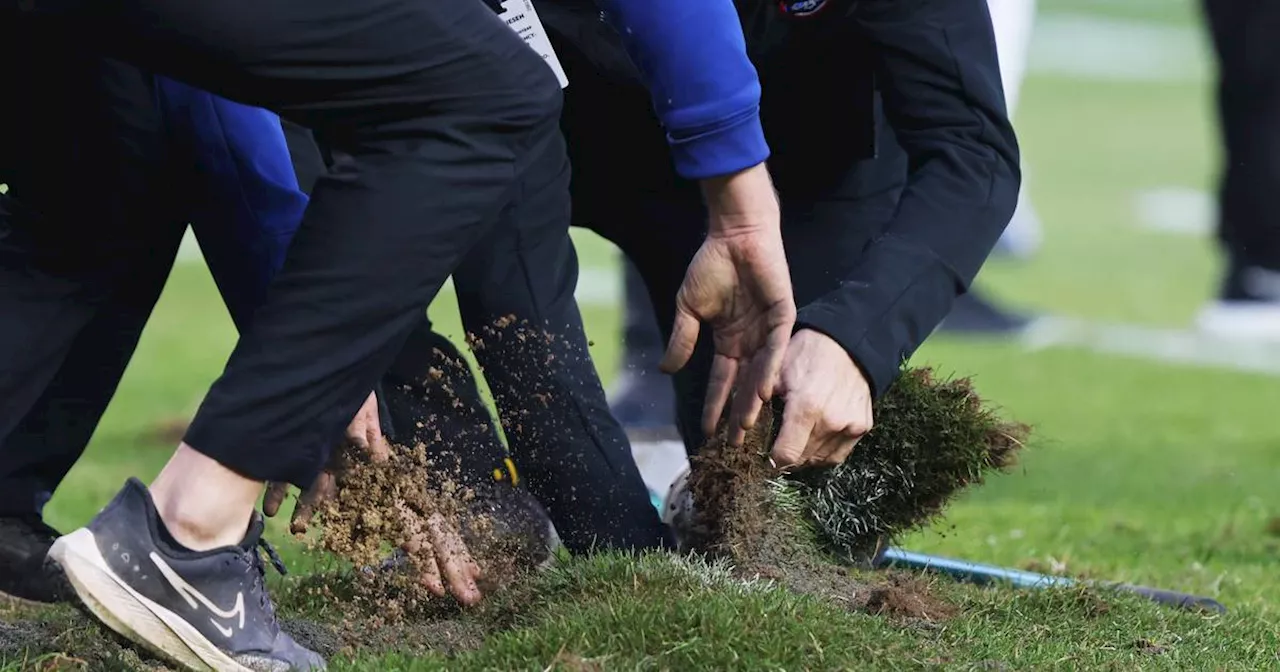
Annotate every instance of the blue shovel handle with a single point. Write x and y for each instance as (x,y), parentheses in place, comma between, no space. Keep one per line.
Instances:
(980,574)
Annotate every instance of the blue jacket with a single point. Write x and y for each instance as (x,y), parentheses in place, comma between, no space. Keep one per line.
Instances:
(246,204)
(693,59)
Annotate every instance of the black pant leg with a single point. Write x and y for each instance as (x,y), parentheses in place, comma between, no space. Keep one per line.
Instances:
(309,159)
(429,395)
(1248,97)
(641,337)
(439,106)
(660,237)
(432,398)
(624,186)
(50,438)
(516,292)
(85,246)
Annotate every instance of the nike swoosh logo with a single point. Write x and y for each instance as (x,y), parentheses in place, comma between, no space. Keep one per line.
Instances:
(196,599)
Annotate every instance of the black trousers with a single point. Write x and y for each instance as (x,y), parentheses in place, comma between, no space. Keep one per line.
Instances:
(1244,39)
(641,338)
(573,454)
(76,282)
(440,107)
(516,296)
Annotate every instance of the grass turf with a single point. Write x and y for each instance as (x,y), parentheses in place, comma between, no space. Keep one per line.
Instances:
(1143,472)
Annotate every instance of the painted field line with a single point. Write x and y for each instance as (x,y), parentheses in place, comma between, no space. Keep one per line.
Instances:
(1176,210)
(1171,346)
(1092,47)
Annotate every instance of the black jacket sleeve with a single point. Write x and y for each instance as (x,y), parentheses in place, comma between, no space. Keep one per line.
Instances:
(938,75)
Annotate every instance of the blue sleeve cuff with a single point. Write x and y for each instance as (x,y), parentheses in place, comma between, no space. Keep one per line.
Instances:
(727,148)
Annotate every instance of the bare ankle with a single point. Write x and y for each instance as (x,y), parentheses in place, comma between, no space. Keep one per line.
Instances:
(203,504)
(196,531)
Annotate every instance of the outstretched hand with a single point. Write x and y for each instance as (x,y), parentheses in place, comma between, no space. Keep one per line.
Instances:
(444,559)
(740,285)
(364,433)
(441,554)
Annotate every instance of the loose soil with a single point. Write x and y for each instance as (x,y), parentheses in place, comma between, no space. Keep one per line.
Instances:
(381,524)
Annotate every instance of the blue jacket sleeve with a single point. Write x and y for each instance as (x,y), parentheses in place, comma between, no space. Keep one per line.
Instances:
(705,90)
(246,204)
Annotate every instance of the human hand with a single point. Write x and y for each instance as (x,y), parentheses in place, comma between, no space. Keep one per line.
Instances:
(738,283)
(364,433)
(827,403)
(438,550)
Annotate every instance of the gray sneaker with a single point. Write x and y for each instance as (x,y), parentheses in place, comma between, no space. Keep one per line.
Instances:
(203,610)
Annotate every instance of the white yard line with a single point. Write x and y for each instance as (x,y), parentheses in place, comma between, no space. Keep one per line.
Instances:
(1171,346)
(1176,210)
(1099,48)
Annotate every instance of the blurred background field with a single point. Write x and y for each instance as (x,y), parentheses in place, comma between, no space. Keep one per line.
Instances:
(1157,455)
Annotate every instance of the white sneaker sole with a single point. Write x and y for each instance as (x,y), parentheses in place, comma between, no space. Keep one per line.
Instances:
(135,617)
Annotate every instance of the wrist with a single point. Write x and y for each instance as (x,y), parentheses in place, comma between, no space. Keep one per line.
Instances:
(741,202)
(833,348)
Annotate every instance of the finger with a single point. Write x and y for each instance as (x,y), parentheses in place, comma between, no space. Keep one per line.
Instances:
(310,501)
(843,450)
(379,447)
(798,420)
(719,387)
(375,442)
(746,409)
(459,569)
(761,381)
(357,437)
(276,492)
(823,445)
(431,576)
(684,336)
(847,440)
(766,367)
(418,540)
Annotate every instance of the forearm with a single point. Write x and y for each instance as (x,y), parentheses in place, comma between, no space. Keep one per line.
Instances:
(939,77)
(949,217)
(705,90)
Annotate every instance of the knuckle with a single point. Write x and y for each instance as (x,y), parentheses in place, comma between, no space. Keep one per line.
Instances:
(808,409)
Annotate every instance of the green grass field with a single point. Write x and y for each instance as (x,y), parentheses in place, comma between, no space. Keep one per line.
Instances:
(1141,471)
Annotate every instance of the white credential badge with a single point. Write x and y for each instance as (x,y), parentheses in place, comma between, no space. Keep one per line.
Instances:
(522,18)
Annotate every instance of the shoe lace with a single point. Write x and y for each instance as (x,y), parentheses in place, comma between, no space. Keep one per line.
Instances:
(255,565)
